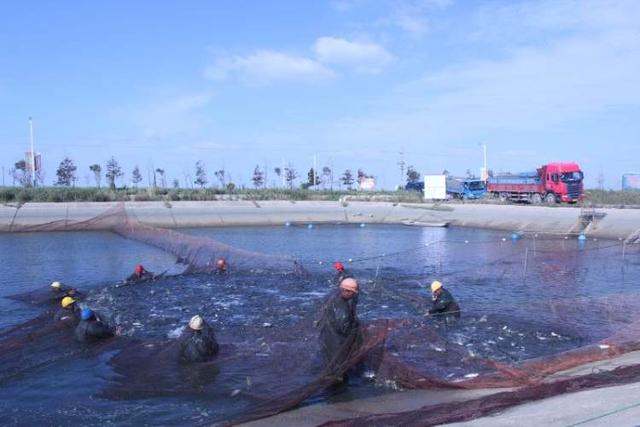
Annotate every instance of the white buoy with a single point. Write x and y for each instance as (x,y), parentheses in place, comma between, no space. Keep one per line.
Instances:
(310,226)
(362,225)
(350,260)
(287,224)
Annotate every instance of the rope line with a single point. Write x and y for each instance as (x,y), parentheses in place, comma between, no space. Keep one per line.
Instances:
(607,414)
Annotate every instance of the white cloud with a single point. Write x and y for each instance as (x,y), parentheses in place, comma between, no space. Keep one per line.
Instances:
(414,16)
(345,5)
(267,66)
(362,56)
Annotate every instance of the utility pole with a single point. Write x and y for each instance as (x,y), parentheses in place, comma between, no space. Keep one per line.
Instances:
(3,175)
(402,164)
(33,153)
(283,174)
(484,162)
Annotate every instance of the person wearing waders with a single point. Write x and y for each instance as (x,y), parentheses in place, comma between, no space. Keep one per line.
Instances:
(139,275)
(340,329)
(90,328)
(341,273)
(68,313)
(59,291)
(221,266)
(197,342)
(444,306)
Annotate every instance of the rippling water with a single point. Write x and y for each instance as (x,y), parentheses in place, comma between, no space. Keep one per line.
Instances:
(520,299)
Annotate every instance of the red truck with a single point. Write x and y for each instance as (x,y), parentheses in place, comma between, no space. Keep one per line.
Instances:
(551,183)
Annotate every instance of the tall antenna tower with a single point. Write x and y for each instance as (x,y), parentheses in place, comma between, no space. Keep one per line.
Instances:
(402,165)
(33,154)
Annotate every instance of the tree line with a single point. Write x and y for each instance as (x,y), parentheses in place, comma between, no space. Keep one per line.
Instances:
(67,176)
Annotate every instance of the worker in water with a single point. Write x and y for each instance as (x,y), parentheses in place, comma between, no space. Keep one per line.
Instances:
(140,275)
(197,342)
(339,327)
(341,273)
(221,266)
(59,291)
(68,311)
(444,306)
(91,328)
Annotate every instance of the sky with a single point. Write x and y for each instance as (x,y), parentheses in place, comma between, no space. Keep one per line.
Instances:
(353,84)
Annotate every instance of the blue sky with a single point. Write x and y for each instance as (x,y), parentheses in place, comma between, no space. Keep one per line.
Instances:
(353,82)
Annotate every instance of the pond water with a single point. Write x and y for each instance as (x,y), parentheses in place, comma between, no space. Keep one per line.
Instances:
(520,298)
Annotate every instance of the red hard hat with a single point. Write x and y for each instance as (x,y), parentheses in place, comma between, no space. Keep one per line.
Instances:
(139,269)
(338,266)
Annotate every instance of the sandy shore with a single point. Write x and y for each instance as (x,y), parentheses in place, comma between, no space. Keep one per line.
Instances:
(614,224)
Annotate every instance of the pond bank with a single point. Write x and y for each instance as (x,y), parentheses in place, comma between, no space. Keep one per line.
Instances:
(606,223)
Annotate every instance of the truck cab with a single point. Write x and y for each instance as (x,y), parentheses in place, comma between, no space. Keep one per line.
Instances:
(562,182)
(466,188)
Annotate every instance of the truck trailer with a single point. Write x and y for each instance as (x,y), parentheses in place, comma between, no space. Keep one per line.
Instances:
(551,183)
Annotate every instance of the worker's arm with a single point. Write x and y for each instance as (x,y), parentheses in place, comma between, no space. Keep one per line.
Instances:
(441,304)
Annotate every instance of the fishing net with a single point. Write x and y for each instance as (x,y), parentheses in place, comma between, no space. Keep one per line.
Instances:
(517,330)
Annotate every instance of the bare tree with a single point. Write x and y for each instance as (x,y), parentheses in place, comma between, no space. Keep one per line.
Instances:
(258,177)
(347,178)
(20,174)
(312,179)
(114,171)
(290,175)
(201,174)
(97,170)
(220,174)
(327,175)
(136,176)
(278,172)
(163,181)
(412,175)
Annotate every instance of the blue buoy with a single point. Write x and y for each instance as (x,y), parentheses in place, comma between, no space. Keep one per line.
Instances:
(515,236)
(310,226)
(582,237)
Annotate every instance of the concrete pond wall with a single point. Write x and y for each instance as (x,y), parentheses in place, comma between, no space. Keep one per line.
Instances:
(608,223)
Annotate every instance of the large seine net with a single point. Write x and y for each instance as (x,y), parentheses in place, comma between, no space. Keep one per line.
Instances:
(266,315)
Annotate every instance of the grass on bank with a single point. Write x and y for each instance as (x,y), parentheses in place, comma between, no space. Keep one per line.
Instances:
(21,195)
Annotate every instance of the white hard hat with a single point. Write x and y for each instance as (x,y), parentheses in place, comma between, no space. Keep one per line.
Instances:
(196,323)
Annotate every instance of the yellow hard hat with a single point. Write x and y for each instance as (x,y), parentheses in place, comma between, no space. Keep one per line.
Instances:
(67,301)
(435,286)
(56,285)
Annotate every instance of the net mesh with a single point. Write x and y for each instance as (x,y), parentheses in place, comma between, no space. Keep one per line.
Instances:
(273,361)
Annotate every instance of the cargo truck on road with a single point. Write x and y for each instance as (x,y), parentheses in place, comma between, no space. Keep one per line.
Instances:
(551,183)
